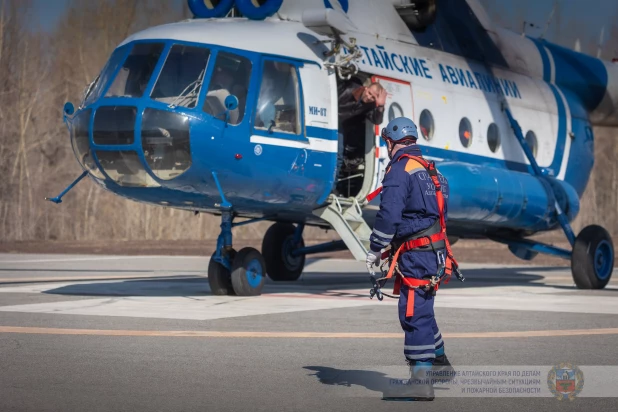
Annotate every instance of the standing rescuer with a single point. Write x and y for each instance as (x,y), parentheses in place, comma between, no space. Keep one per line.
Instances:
(411,220)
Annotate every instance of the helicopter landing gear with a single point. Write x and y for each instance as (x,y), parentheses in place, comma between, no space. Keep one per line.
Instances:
(241,273)
(280,241)
(592,260)
(592,253)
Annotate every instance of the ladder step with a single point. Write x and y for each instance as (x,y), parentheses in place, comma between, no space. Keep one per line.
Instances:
(345,216)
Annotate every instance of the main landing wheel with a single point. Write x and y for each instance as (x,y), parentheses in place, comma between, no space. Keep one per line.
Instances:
(592,261)
(219,277)
(248,272)
(277,248)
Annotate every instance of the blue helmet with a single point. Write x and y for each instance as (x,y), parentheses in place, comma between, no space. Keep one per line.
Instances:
(400,130)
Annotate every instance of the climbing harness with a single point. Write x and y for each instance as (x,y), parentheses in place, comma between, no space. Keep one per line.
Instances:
(427,238)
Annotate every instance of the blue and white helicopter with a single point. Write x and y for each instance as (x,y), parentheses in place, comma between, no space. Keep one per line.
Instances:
(238,117)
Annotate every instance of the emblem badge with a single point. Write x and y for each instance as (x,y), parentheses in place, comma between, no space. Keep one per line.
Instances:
(565,381)
(257,150)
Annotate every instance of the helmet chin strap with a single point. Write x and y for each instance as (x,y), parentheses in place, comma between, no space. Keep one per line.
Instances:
(390,149)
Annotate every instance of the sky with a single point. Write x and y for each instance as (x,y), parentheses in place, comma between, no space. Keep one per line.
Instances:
(577,19)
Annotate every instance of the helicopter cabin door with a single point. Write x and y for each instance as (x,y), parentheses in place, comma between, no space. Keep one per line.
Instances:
(321,124)
(295,129)
(398,103)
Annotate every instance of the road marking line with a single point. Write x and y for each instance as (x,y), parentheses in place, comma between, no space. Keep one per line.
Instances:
(100,258)
(18,280)
(329,335)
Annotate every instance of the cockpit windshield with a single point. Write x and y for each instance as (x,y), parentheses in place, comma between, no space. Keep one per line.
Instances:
(133,77)
(181,79)
(96,88)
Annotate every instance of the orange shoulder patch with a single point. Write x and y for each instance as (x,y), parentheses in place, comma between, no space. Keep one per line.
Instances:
(413,165)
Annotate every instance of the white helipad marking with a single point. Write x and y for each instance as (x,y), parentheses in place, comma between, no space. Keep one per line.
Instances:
(194,308)
(90,259)
(535,302)
(179,300)
(326,285)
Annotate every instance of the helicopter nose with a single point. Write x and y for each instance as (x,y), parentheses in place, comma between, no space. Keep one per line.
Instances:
(133,148)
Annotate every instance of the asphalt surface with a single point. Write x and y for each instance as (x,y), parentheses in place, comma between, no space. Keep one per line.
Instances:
(118,333)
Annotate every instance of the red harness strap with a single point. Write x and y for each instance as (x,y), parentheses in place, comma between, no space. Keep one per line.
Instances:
(374,194)
(411,283)
(424,241)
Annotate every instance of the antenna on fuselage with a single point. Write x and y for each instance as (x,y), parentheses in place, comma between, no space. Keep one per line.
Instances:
(600,46)
(549,19)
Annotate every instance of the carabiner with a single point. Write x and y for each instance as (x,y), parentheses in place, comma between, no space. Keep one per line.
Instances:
(375,290)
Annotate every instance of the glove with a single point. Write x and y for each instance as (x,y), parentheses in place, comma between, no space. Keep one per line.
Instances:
(373,258)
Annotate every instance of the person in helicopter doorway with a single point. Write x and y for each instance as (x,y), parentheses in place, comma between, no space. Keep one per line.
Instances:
(358,103)
(410,210)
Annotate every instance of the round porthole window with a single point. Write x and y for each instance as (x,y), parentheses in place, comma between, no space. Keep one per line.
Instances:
(426,124)
(394,111)
(532,142)
(493,137)
(465,132)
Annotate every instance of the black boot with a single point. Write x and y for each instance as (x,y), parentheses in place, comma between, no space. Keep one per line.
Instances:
(441,364)
(441,360)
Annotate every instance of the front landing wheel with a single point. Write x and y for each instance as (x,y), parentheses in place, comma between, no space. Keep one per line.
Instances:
(248,272)
(592,261)
(219,277)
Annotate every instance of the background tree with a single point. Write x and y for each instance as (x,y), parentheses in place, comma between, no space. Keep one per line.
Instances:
(40,71)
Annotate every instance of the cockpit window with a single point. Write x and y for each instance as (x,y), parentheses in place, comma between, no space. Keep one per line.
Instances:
(133,77)
(101,81)
(278,102)
(230,76)
(166,143)
(182,76)
(81,144)
(114,125)
(125,168)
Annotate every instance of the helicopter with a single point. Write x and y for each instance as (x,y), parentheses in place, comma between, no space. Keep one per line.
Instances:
(234,113)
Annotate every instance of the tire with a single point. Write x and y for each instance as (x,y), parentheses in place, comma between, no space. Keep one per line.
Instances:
(276,247)
(216,9)
(592,261)
(219,277)
(248,272)
(250,10)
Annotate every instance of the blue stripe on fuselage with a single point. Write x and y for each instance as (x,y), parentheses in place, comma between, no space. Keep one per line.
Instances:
(561,138)
(322,133)
(562,120)
(585,76)
(544,58)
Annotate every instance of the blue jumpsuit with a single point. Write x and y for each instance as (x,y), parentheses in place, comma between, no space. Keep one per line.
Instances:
(408,205)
